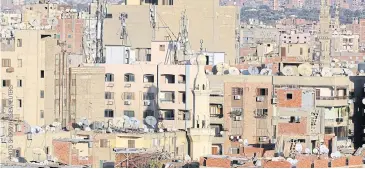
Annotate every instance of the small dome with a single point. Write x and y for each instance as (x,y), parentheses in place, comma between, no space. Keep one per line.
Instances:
(201,59)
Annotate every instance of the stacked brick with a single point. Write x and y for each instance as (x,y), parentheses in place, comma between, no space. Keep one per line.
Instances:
(355,161)
(339,162)
(250,151)
(277,164)
(61,151)
(218,162)
(321,163)
(293,128)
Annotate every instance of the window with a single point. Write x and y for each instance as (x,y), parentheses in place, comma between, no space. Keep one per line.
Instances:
(108,113)
(167,97)
(262,92)
(234,151)
(20,104)
(69,46)
(289,96)
(69,36)
(148,58)
(237,91)
(181,79)
(6,63)
(169,114)
(148,113)
(103,143)
(129,113)
(20,63)
(131,143)
(109,15)
(20,83)
(162,47)
(148,96)
(182,97)
(169,79)
(42,114)
(294,119)
(109,77)
(128,77)
(301,51)
(109,95)
(19,43)
(128,96)
(42,93)
(6,83)
(42,73)
(148,78)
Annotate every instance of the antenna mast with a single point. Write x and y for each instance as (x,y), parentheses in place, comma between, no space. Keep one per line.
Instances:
(153,20)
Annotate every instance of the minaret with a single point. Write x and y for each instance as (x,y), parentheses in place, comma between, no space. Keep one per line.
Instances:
(201,134)
(336,20)
(324,33)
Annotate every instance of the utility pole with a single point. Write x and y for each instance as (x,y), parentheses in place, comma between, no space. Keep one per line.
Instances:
(153,20)
(123,35)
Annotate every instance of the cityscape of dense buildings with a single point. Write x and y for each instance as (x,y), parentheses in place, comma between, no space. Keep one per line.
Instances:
(181,84)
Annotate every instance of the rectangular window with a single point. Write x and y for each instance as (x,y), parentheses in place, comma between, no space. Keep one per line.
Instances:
(20,63)
(20,83)
(237,91)
(128,96)
(20,103)
(19,43)
(234,151)
(104,143)
(289,96)
(109,113)
(262,92)
(6,83)
(42,114)
(148,113)
(6,63)
(69,36)
(131,143)
(148,58)
(109,15)
(42,73)
(129,113)
(68,46)
(148,96)
(109,95)
(301,51)
(42,93)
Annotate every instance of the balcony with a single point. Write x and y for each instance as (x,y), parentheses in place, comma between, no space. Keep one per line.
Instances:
(217,140)
(332,101)
(216,119)
(342,121)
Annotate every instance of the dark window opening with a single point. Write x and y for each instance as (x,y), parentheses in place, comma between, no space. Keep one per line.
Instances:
(42,73)
(289,96)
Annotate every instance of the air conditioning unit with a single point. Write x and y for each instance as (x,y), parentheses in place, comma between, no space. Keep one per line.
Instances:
(238,118)
(127,102)
(127,85)
(260,99)
(147,103)
(262,139)
(110,102)
(274,100)
(237,97)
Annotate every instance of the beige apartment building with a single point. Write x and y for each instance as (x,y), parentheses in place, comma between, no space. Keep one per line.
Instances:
(28,65)
(215,25)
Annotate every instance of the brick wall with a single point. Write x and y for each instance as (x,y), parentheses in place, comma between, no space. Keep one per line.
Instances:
(304,163)
(295,102)
(277,164)
(339,162)
(355,161)
(250,151)
(61,151)
(293,128)
(218,163)
(323,163)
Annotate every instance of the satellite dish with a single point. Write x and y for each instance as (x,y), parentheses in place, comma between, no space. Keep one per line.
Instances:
(160,125)
(187,158)
(245,72)
(322,149)
(351,66)
(134,122)
(269,66)
(127,122)
(220,67)
(363,101)
(326,72)
(332,64)
(231,137)
(305,69)
(221,132)
(348,72)
(332,155)
(240,140)
(288,71)
(299,147)
(345,64)
(150,120)
(34,22)
(145,129)
(233,71)
(245,142)
(253,70)
(315,151)
(118,122)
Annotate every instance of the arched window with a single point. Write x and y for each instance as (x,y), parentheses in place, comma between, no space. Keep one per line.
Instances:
(129,77)
(109,77)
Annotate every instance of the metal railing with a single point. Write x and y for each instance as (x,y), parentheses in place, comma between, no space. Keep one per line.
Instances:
(331,97)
